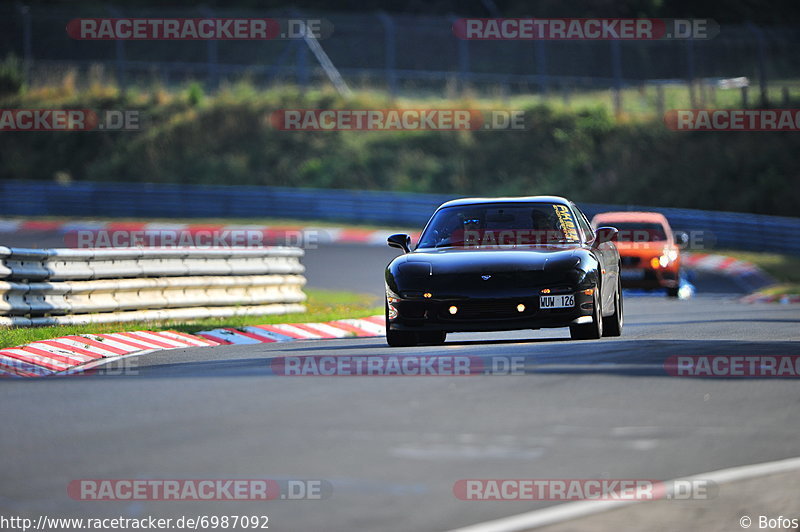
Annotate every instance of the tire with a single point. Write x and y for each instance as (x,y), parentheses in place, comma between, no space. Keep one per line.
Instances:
(612,325)
(432,337)
(594,330)
(398,338)
(401,338)
(673,292)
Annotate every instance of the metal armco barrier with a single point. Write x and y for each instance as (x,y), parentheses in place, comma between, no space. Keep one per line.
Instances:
(116,263)
(68,286)
(751,232)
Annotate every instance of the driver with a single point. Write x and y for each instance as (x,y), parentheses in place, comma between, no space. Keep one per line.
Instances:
(541,226)
(471,225)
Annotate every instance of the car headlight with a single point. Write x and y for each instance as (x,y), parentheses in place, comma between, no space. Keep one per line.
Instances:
(660,262)
(391,296)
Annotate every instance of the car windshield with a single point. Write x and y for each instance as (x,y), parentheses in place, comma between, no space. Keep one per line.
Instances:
(639,231)
(500,225)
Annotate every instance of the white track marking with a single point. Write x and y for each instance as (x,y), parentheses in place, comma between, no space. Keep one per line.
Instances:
(574,510)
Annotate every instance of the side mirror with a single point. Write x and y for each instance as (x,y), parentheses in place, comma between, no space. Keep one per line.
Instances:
(603,235)
(400,240)
(681,238)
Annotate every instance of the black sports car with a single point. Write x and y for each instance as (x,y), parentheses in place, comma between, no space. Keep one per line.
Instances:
(503,264)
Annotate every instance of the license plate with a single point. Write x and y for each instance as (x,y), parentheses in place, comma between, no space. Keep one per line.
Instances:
(630,273)
(546,302)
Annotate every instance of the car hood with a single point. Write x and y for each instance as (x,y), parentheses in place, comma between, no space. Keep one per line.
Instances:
(503,272)
(459,260)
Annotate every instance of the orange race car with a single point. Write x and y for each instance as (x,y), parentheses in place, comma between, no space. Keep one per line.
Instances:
(649,250)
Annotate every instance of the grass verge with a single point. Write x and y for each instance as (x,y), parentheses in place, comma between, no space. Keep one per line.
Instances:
(322,305)
(784,268)
(791,289)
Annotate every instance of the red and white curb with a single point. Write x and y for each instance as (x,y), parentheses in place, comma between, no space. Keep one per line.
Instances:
(188,232)
(746,274)
(75,353)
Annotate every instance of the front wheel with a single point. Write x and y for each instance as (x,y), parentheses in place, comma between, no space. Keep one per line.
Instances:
(593,330)
(432,337)
(673,292)
(401,338)
(398,338)
(612,325)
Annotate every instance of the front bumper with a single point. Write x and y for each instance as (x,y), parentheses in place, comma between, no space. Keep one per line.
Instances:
(649,278)
(485,314)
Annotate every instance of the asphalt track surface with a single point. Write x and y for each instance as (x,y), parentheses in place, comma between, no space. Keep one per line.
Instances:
(393,447)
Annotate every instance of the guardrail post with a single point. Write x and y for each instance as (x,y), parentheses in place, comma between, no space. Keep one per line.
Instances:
(301,66)
(616,67)
(212,48)
(690,73)
(119,48)
(324,61)
(762,62)
(390,42)
(27,42)
(541,66)
(463,63)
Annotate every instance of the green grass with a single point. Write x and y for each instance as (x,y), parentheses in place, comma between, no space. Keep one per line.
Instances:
(637,102)
(322,305)
(784,268)
(573,146)
(792,289)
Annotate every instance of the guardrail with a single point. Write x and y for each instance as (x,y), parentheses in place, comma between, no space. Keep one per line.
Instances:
(751,232)
(75,286)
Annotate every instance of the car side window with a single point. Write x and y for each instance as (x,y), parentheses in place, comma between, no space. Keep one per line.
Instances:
(583,223)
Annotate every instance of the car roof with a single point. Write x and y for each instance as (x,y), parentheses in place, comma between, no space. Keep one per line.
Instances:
(519,199)
(630,216)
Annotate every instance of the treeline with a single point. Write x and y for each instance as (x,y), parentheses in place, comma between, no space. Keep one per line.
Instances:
(771,12)
(586,155)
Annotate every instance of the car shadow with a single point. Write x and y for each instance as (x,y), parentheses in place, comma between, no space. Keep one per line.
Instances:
(630,358)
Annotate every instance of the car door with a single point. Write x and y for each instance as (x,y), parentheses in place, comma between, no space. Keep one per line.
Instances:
(607,255)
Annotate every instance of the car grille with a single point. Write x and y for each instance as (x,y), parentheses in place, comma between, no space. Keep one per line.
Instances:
(491,309)
(453,283)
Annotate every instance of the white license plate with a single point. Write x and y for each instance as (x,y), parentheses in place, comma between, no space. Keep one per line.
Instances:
(631,273)
(546,302)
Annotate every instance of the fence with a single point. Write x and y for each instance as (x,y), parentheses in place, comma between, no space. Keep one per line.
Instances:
(74,286)
(394,51)
(750,232)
